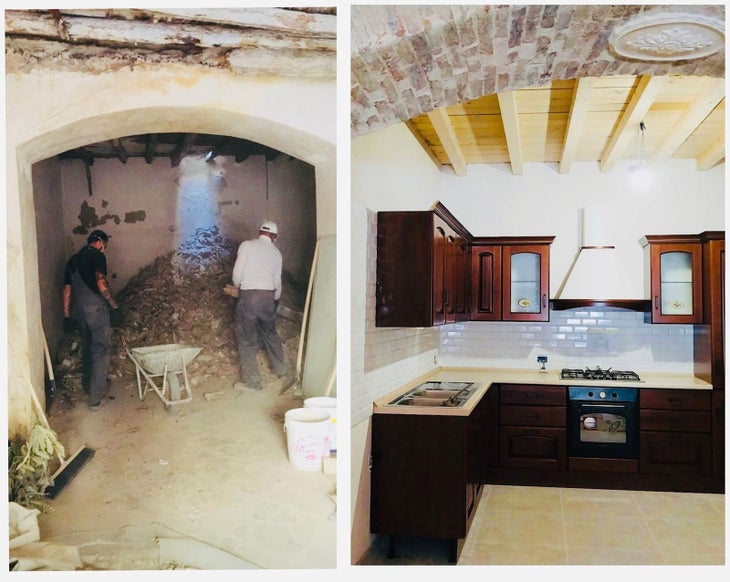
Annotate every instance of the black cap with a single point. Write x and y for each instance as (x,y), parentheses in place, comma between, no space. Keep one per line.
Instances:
(97,235)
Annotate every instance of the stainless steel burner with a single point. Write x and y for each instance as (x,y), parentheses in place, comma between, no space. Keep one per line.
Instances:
(599,374)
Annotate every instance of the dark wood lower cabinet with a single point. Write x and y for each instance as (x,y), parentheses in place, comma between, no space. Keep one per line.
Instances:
(426,476)
(683,453)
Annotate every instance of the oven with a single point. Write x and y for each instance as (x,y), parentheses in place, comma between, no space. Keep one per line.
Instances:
(603,422)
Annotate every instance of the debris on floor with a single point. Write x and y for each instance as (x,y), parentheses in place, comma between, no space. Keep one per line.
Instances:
(180,298)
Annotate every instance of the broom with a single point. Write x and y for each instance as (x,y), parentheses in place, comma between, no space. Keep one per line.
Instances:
(70,466)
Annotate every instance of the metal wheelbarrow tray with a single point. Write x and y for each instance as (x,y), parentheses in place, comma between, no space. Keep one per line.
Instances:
(167,362)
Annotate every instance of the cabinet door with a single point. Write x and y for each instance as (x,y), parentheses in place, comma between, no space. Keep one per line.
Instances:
(459,301)
(676,453)
(533,448)
(486,282)
(676,283)
(443,238)
(525,282)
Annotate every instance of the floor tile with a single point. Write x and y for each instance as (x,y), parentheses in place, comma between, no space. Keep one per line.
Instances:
(496,553)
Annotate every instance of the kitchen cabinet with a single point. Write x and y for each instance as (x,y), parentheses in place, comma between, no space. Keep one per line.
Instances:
(421,269)
(709,338)
(675,432)
(426,474)
(674,278)
(510,278)
(532,426)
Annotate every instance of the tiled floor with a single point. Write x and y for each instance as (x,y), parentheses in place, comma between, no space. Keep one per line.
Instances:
(560,526)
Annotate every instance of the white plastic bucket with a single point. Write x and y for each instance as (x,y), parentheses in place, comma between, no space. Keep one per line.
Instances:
(328,405)
(307,432)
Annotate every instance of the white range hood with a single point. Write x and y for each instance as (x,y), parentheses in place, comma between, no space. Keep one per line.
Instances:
(596,276)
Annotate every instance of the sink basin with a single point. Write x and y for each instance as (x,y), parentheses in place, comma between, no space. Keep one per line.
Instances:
(449,394)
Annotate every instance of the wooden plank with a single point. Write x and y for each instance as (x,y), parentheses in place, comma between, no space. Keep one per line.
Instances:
(422,141)
(581,99)
(508,107)
(441,123)
(711,92)
(711,156)
(642,98)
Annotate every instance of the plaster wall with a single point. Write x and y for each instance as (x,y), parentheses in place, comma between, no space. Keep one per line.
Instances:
(152,208)
(48,112)
(390,172)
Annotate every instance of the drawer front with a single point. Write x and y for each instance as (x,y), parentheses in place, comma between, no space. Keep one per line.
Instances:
(675,399)
(532,395)
(511,415)
(675,421)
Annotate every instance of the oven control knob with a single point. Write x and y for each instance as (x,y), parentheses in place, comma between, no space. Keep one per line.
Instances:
(602,394)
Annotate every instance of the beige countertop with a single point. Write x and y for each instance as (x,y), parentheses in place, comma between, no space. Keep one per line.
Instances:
(488,376)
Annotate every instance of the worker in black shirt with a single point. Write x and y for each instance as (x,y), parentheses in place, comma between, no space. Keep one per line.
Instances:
(86,299)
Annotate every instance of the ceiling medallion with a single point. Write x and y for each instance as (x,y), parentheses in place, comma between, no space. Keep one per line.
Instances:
(668,37)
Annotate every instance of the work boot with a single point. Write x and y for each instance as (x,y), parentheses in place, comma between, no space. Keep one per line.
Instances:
(248,386)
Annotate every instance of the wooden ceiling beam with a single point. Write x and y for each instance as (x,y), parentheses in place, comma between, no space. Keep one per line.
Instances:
(576,122)
(710,93)
(641,100)
(510,121)
(424,144)
(119,148)
(441,123)
(182,149)
(150,147)
(712,155)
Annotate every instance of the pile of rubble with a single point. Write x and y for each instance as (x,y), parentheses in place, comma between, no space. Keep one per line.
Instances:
(179,299)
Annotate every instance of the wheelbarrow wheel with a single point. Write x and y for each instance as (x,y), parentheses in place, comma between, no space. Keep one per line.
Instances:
(175,390)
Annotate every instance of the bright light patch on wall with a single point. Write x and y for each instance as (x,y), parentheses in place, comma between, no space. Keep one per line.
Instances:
(199,187)
(640,178)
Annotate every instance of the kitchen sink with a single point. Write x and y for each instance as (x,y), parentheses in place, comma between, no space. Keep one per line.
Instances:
(449,394)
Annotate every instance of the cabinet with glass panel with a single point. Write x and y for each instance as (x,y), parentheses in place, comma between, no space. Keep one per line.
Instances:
(674,277)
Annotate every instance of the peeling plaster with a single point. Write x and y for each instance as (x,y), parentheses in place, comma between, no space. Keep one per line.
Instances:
(135,216)
(89,219)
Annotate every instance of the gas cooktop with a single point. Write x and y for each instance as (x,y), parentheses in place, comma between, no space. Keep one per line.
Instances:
(599,374)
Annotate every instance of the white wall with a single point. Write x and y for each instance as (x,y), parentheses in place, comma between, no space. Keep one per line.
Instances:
(390,171)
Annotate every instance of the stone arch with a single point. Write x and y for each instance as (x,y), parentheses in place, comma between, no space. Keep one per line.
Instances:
(28,144)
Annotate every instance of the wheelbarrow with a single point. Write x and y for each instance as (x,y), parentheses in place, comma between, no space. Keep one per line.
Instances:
(168,362)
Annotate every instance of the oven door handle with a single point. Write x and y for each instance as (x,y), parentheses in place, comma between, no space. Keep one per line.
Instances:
(599,407)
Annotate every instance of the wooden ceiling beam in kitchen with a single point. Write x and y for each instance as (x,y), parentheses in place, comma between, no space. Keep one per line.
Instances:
(565,122)
(646,91)
(576,122)
(710,93)
(182,148)
(508,109)
(442,124)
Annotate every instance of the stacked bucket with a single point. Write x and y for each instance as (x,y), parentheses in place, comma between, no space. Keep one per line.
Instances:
(311,432)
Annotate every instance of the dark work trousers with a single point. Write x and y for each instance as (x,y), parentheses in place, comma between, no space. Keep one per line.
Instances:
(91,312)
(256,319)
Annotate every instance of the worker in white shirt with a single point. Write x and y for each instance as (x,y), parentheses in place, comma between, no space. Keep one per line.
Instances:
(257,275)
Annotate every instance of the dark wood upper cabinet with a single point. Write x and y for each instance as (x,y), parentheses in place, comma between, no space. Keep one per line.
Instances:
(674,270)
(421,270)
(510,278)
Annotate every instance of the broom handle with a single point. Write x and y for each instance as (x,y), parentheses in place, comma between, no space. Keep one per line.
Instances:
(48,358)
(306,308)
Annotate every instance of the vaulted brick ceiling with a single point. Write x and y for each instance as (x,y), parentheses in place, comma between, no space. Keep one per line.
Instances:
(410,60)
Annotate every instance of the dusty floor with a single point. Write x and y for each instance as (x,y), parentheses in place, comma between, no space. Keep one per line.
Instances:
(216,471)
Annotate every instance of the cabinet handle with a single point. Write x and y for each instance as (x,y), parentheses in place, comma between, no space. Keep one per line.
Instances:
(532,395)
(531,416)
(656,301)
(544,300)
(446,296)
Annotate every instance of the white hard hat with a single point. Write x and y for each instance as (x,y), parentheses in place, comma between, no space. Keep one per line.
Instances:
(269,226)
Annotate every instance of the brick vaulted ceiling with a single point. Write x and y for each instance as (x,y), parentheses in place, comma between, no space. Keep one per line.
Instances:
(505,83)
